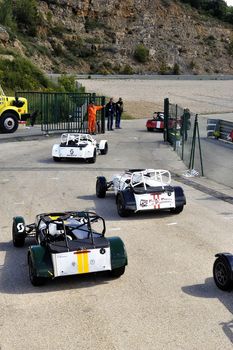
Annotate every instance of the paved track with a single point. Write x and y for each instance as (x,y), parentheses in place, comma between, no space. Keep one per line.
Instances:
(165,300)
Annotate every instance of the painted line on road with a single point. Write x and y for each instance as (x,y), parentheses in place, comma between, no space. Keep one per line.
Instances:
(172,223)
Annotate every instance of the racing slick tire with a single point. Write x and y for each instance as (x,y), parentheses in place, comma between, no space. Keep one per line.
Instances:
(35,280)
(122,211)
(149,129)
(93,159)
(101,187)
(177,210)
(9,123)
(18,231)
(118,272)
(56,159)
(105,150)
(222,274)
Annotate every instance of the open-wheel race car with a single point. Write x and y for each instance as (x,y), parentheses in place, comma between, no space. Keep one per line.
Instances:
(79,146)
(142,190)
(223,271)
(156,123)
(69,243)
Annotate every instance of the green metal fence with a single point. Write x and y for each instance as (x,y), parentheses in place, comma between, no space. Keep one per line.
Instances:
(65,112)
(182,132)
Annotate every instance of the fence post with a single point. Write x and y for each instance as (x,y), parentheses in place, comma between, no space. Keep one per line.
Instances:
(102,115)
(166,115)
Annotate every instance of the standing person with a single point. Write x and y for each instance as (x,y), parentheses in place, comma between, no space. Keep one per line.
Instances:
(91,112)
(110,111)
(119,110)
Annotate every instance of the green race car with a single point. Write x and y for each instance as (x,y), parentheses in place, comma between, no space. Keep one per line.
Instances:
(69,243)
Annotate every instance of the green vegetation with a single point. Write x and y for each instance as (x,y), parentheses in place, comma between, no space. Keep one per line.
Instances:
(215,8)
(20,15)
(141,53)
(67,83)
(21,74)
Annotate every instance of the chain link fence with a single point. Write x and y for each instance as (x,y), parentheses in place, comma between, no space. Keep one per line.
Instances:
(182,132)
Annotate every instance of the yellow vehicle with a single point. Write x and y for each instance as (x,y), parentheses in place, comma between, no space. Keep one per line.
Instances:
(12,111)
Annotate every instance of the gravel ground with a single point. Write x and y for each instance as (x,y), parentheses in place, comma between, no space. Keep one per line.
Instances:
(143,97)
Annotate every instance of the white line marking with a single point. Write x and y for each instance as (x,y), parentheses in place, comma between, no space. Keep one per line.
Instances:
(172,223)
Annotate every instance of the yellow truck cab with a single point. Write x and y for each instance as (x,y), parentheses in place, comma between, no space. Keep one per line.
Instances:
(12,110)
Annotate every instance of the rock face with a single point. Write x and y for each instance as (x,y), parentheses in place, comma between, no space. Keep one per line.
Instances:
(100,36)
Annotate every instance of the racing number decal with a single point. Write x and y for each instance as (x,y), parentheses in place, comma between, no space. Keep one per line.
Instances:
(20,227)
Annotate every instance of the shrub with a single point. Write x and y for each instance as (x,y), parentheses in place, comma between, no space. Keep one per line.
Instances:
(6,14)
(176,69)
(68,83)
(26,15)
(127,69)
(141,53)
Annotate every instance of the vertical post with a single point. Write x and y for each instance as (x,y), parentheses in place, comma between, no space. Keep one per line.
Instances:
(166,116)
(199,144)
(102,128)
(192,155)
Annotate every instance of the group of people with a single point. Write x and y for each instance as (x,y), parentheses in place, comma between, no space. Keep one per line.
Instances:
(112,109)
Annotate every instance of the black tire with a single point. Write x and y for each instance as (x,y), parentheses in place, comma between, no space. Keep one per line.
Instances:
(149,129)
(93,159)
(56,159)
(222,274)
(35,280)
(18,238)
(177,210)
(101,187)
(9,123)
(118,272)
(121,207)
(105,150)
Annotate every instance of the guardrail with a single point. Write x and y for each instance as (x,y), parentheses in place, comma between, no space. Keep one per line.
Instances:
(219,128)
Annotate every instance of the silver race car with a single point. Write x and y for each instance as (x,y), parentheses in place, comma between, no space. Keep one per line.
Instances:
(79,146)
(142,190)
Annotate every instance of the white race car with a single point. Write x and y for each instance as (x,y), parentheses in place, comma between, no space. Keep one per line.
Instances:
(142,190)
(79,146)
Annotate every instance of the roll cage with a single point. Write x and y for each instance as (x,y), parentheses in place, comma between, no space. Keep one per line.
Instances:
(74,139)
(67,223)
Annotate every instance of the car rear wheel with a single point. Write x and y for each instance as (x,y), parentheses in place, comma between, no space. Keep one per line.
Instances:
(35,280)
(149,129)
(122,211)
(118,272)
(222,274)
(177,210)
(9,123)
(56,159)
(105,150)
(101,187)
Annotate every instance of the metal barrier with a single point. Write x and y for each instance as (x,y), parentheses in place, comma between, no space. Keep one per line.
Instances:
(65,112)
(212,126)
(219,128)
(181,130)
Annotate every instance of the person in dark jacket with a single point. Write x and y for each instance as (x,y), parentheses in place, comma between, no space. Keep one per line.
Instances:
(119,110)
(110,110)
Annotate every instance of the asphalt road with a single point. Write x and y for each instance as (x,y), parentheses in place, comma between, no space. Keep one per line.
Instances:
(165,300)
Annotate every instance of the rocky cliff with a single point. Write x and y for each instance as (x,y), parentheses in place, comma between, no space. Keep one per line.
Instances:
(101,36)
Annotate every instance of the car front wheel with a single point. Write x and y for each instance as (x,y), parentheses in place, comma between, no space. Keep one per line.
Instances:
(101,187)
(222,274)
